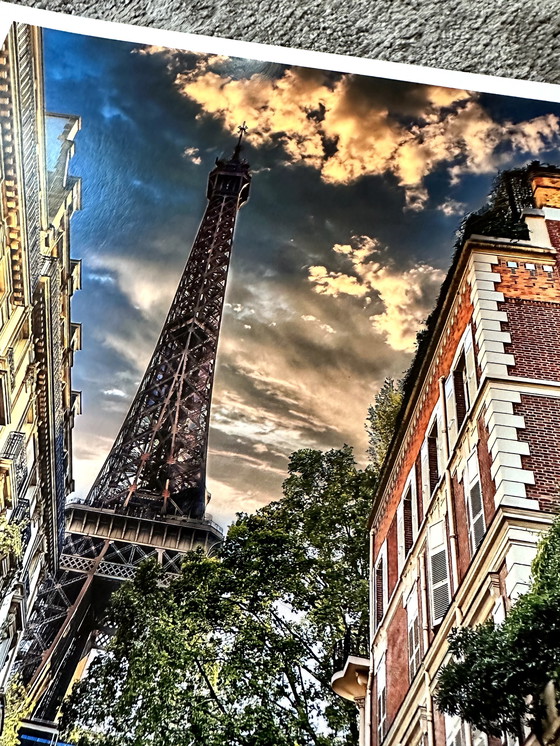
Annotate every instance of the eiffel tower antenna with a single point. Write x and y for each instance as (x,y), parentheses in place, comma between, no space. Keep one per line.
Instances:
(149,499)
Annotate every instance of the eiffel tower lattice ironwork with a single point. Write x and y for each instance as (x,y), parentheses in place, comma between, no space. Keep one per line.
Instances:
(150,497)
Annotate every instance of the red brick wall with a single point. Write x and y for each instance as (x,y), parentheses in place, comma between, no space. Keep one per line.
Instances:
(439,727)
(397,663)
(461,523)
(484,465)
(520,282)
(535,338)
(542,432)
(373,713)
(411,447)
(554,232)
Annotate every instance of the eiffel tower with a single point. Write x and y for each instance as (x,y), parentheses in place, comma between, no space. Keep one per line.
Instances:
(150,497)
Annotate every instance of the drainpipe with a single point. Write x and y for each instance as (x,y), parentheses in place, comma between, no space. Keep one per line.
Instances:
(448,488)
(429,710)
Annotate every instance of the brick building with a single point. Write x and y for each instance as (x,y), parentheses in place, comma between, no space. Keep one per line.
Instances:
(472,476)
(37,337)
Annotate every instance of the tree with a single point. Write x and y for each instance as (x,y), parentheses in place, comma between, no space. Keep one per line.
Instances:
(10,537)
(381,420)
(238,648)
(498,675)
(18,707)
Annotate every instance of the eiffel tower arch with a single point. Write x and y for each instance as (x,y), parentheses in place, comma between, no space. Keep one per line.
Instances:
(149,499)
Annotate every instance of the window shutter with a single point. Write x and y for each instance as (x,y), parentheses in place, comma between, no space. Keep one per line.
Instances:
(478,737)
(439,572)
(401,555)
(475,503)
(439,441)
(470,367)
(379,592)
(413,623)
(450,406)
(454,731)
(433,467)
(407,522)
(425,469)
(478,528)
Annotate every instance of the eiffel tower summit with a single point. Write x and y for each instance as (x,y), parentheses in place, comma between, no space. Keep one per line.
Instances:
(149,499)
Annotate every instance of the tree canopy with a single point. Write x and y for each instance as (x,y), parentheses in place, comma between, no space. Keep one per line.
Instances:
(238,648)
(381,419)
(498,674)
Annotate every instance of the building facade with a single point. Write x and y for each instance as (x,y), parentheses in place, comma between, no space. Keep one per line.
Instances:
(472,477)
(37,336)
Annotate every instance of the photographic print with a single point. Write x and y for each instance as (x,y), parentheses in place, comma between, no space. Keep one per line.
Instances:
(216,277)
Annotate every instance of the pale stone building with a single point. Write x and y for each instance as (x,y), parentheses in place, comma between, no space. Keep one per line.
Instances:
(37,337)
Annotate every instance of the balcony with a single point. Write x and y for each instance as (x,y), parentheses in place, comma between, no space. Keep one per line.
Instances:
(351,668)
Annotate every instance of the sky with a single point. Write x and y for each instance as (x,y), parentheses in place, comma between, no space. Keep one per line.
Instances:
(359,186)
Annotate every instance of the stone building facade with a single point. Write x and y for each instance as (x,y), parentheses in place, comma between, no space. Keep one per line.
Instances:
(472,477)
(37,337)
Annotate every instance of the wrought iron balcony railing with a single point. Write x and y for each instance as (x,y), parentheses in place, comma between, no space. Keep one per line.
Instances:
(349,645)
(15,451)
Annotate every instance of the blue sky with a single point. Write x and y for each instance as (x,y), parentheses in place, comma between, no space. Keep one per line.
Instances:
(359,186)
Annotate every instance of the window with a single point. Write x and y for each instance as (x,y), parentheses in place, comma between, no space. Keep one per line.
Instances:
(381,701)
(4,399)
(461,391)
(475,505)
(407,521)
(438,566)
(433,466)
(460,387)
(413,624)
(455,731)
(379,580)
(478,737)
(431,456)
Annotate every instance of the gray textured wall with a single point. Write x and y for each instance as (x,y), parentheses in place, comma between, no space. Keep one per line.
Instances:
(503,37)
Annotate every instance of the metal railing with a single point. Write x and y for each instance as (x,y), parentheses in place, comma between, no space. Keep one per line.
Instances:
(349,645)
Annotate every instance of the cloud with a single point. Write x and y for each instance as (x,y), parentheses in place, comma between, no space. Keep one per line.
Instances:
(405,296)
(346,129)
(192,154)
(114,392)
(452,207)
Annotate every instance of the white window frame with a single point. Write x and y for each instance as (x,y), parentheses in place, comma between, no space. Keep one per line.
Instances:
(410,486)
(455,731)
(437,545)
(435,420)
(471,477)
(414,636)
(381,560)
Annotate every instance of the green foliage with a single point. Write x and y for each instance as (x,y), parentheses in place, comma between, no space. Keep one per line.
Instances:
(498,674)
(18,707)
(381,420)
(10,537)
(238,649)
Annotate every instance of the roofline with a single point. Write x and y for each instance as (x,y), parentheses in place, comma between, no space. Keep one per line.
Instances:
(456,270)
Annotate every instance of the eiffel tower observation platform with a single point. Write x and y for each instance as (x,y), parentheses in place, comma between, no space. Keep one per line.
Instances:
(124,540)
